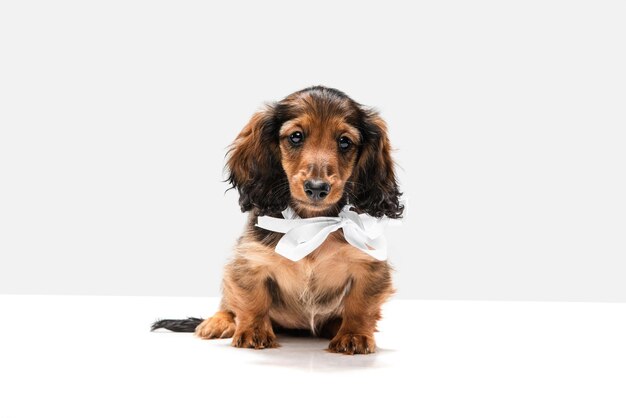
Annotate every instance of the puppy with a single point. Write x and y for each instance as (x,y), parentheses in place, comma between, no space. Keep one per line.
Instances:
(314,151)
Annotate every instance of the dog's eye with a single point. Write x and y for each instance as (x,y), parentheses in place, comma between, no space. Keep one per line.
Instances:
(296,138)
(344,143)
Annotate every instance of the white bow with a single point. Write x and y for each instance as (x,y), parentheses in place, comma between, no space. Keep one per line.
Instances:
(304,235)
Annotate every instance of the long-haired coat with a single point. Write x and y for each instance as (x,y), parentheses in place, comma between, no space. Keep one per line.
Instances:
(315,151)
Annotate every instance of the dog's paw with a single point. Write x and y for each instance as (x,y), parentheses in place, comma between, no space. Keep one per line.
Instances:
(220,325)
(255,337)
(352,344)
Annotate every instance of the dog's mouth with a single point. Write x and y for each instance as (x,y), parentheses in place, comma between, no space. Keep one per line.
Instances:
(307,204)
(311,209)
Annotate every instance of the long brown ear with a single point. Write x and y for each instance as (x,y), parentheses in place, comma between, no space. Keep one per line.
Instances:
(375,189)
(254,167)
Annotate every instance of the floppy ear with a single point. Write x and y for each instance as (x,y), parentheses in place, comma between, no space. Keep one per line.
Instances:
(254,167)
(375,190)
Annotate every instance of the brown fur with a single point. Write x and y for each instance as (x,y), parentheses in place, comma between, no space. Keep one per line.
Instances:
(337,290)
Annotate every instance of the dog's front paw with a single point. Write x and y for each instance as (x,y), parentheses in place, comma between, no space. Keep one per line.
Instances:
(352,344)
(256,337)
(220,325)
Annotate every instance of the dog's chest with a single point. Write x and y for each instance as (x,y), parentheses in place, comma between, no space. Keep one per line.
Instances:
(315,287)
(327,267)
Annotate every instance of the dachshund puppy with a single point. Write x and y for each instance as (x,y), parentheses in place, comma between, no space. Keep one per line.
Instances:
(314,151)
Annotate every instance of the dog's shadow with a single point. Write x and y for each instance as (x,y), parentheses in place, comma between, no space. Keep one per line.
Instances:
(309,353)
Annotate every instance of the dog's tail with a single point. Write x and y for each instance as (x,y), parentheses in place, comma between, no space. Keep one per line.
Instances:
(177,325)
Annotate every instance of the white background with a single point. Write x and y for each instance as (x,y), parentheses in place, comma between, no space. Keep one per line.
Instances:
(93,356)
(508,119)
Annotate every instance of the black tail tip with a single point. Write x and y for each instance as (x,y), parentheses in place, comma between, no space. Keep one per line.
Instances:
(177,325)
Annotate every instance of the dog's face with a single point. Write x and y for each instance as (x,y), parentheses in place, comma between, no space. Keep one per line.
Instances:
(318,148)
(315,150)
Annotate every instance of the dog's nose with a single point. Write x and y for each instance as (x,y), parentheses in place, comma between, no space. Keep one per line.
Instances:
(316,189)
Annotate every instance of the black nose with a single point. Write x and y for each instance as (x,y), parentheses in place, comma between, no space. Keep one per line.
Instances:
(316,189)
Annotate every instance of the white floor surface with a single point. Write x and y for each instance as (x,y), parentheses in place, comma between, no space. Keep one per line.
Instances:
(86,356)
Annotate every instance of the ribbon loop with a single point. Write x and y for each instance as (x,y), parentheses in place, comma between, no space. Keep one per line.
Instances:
(303,236)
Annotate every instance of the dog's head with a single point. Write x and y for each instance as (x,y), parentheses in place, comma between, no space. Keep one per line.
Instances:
(315,150)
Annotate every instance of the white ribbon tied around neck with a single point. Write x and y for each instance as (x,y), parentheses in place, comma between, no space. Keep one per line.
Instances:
(304,235)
